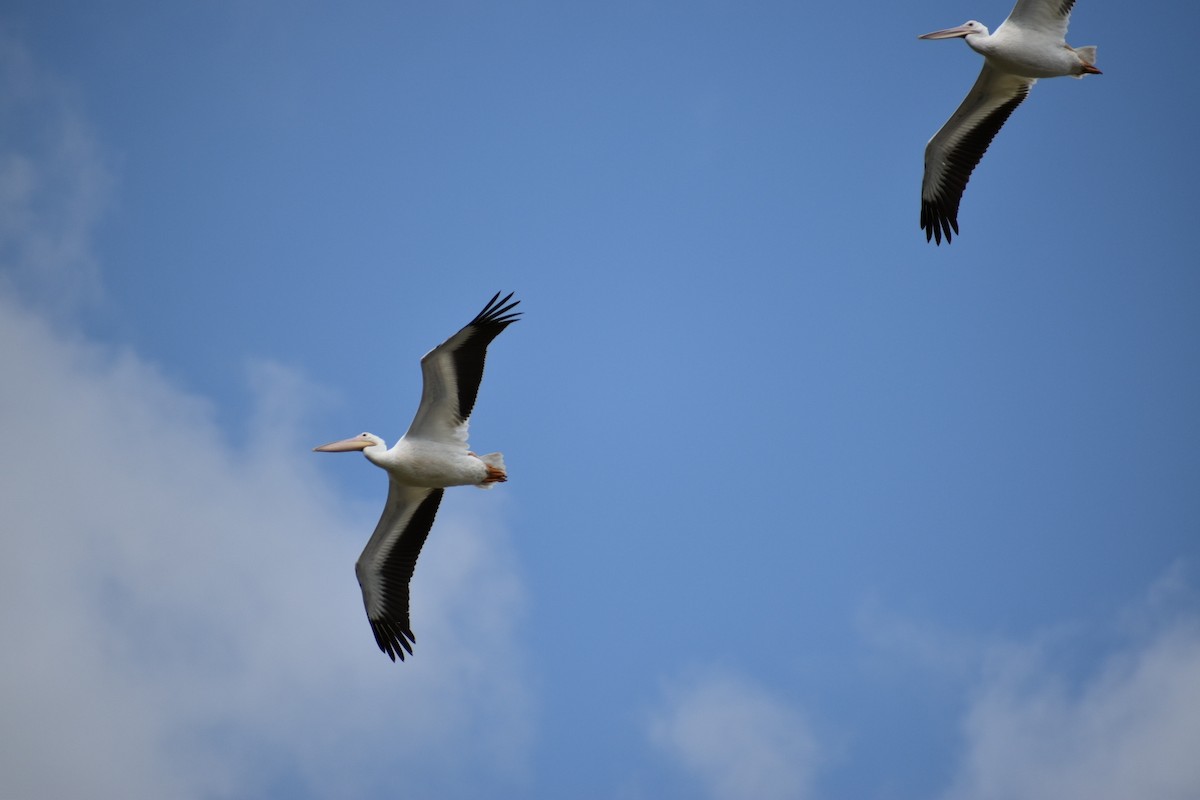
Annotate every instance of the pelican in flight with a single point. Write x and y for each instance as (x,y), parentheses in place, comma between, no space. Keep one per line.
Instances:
(1030,44)
(433,455)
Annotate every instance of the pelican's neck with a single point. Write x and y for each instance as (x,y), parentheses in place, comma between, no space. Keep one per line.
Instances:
(979,42)
(982,41)
(378,454)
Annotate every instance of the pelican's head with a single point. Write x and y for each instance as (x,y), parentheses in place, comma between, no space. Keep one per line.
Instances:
(968,28)
(360,442)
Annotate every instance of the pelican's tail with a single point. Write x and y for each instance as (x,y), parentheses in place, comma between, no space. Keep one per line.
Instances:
(1087,61)
(495,468)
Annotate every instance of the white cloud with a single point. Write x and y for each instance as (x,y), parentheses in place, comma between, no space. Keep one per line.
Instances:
(736,739)
(1130,729)
(179,612)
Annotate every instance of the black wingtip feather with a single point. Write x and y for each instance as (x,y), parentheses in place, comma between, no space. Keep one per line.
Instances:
(392,639)
(496,312)
(497,315)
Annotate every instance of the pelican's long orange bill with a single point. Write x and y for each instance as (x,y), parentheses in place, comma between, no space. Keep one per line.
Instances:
(949,33)
(355,443)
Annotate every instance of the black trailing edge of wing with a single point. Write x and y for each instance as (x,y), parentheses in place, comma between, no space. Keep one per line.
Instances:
(939,216)
(393,630)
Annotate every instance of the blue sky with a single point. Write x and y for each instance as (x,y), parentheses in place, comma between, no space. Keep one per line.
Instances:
(800,505)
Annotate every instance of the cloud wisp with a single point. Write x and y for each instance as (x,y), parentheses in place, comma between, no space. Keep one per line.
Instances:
(54,187)
(735,739)
(1127,729)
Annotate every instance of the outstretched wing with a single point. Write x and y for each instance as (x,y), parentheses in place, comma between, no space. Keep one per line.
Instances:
(1049,17)
(452,372)
(387,562)
(954,151)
